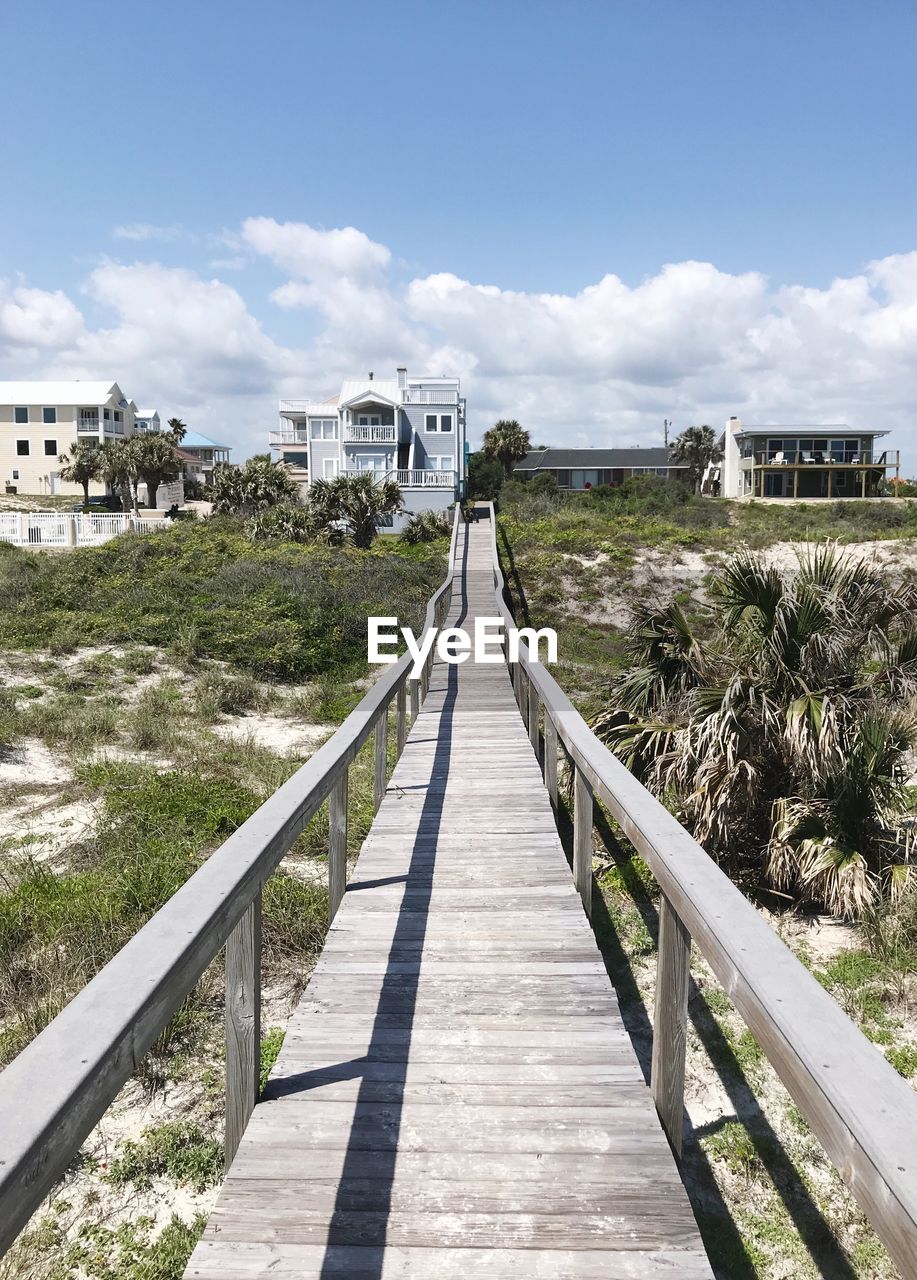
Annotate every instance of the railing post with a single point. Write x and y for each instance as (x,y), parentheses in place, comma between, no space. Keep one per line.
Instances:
(415,698)
(550,757)
(401,728)
(337,842)
(582,837)
(380,760)
(524,687)
(670,1022)
(243,1025)
(534,716)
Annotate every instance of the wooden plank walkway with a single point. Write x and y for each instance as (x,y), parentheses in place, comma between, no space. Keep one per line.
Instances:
(457,1095)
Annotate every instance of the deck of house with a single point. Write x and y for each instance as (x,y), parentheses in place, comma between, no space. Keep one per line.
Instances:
(457,1095)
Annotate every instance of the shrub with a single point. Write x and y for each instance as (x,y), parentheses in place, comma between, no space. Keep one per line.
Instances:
(427,526)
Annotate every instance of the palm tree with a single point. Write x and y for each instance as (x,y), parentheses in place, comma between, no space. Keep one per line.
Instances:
(251,488)
(354,505)
(80,466)
(695,447)
(507,442)
(783,737)
(156,461)
(177,429)
(118,467)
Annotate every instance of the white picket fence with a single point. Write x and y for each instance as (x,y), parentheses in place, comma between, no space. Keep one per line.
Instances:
(63,529)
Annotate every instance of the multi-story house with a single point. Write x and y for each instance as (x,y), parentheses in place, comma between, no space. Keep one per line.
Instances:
(800,462)
(41,420)
(586,468)
(411,430)
(199,455)
(147,420)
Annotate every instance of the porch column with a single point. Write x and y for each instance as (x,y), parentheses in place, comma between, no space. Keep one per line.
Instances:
(795,482)
(863,484)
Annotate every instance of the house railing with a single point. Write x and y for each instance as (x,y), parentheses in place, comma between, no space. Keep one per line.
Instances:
(819,458)
(862,1111)
(416,479)
(370,435)
(58,1088)
(429,395)
(289,435)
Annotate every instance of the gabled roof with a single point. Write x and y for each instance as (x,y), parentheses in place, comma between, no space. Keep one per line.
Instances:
(552,459)
(378,389)
(146,413)
(53,393)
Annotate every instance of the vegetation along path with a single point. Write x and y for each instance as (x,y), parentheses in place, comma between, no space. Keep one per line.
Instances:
(457,1094)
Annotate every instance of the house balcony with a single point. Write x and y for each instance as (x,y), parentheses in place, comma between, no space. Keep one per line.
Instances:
(816,458)
(430,395)
(290,435)
(414,479)
(370,435)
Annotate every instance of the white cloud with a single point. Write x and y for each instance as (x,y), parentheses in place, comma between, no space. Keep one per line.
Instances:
(604,365)
(141,231)
(311,254)
(37,318)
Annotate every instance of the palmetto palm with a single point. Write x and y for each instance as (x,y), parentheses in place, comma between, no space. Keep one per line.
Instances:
(80,466)
(119,466)
(694,448)
(507,442)
(156,461)
(251,488)
(354,505)
(783,739)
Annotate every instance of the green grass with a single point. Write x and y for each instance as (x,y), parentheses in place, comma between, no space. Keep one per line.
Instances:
(178,1150)
(56,931)
(202,590)
(130,1251)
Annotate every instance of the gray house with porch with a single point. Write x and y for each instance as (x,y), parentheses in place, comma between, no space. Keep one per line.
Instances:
(411,430)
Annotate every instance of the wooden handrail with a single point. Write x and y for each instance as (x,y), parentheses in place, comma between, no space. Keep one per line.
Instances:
(862,1111)
(57,1089)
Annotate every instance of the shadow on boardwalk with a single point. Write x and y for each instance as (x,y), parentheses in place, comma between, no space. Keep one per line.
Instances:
(727,1251)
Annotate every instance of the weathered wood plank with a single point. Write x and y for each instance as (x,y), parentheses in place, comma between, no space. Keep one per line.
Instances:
(380,760)
(337,841)
(243,1025)
(670,1022)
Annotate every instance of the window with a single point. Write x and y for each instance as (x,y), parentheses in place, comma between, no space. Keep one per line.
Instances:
(106,414)
(50,448)
(21,413)
(22,448)
(323,428)
(434,422)
(441,462)
(49,416)
(15,475)
(119,416)
(430,422)
(329,468)
(445,422)
(369,420)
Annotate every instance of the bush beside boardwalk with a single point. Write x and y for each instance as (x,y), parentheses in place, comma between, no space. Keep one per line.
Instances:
(151,699)
(769,1201)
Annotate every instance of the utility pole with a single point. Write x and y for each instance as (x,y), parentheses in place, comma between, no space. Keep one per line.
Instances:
(665,428)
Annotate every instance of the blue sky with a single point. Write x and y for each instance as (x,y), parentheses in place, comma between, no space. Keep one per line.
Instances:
(500,162)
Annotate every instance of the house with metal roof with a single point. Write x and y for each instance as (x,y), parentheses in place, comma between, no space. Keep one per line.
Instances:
(801,461)
(409,429)
(586,468)
(199,455)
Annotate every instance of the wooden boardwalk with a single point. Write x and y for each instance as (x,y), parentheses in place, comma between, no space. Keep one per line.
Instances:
(457,1095)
